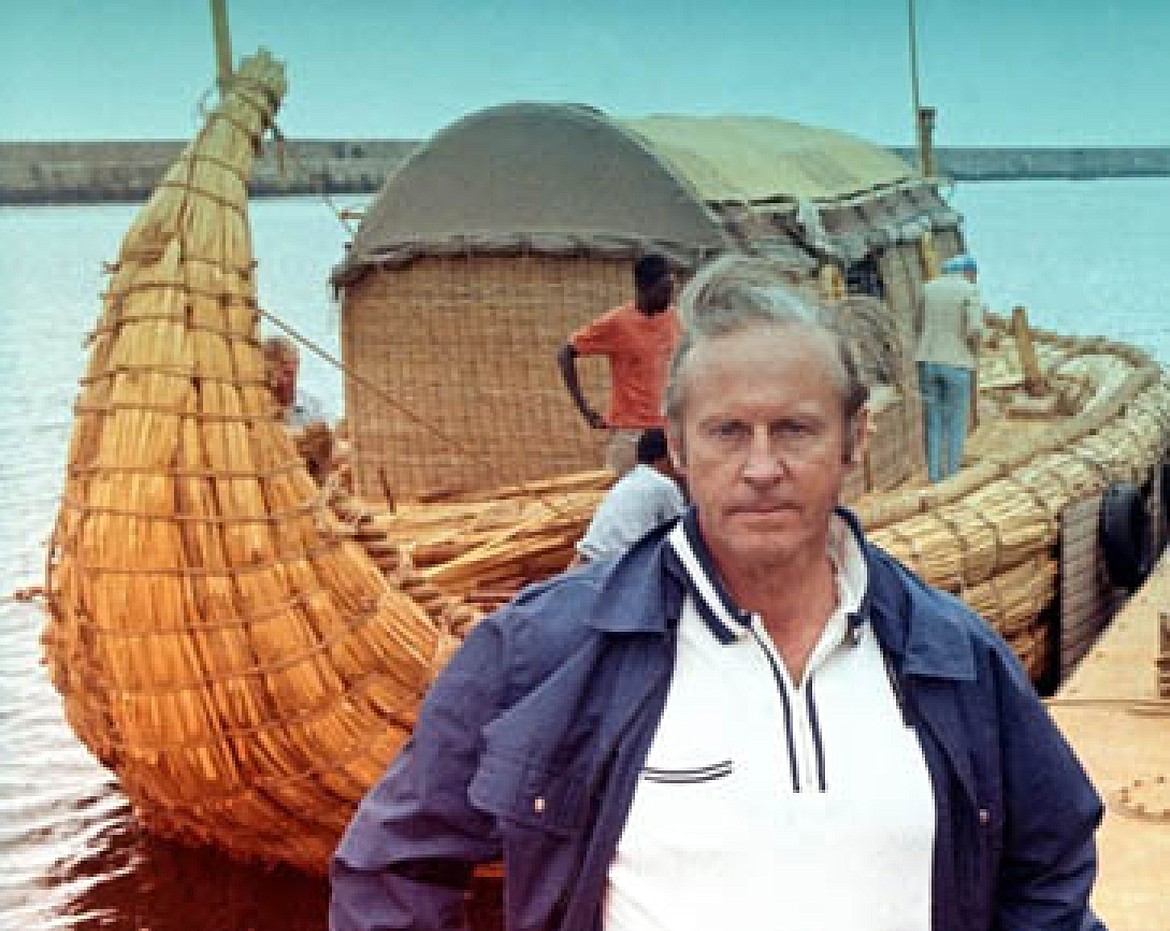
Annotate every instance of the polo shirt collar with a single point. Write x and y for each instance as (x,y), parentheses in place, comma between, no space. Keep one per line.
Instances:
(643,592)
(728,622)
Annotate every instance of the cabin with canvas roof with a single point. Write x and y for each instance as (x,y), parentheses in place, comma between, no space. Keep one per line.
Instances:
(517,224)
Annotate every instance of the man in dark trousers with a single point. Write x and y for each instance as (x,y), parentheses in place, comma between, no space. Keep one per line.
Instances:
(755,718)
(637,338)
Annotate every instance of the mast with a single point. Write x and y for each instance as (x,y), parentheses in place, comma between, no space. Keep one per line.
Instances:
(923,116)
(915,99)
(223,44)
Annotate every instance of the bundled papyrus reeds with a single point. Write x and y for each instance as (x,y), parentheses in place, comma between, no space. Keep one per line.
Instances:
(990,533)
(240,664)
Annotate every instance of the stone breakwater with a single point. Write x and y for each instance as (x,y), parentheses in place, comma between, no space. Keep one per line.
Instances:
(977,163)
(84,172)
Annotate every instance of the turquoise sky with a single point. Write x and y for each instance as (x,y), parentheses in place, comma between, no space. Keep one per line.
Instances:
(1012,72)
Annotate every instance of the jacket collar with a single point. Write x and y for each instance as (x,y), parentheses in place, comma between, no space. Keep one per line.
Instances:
(920,627)
(727,620)
(642,592)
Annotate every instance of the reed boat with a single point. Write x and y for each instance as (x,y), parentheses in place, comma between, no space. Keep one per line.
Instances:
(246,648)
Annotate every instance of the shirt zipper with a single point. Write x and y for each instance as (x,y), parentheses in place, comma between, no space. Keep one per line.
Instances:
(809,722)
(778,675)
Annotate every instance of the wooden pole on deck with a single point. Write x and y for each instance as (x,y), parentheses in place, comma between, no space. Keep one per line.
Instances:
(832,282)
(1034,382)
(223,44)
(1164,650)
(926,141)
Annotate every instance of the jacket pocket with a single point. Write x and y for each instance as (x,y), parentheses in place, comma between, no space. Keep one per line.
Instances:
(529,794)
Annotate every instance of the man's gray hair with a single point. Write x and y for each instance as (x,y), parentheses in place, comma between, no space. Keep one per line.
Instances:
(279,347)
(736,292)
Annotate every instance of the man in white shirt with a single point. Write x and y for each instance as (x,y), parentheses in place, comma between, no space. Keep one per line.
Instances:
(952,323)
(752,719)
(644,498)
(282,362)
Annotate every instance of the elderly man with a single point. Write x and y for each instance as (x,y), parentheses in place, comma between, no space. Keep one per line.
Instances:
(637,339)
(952,322)
(282,362)
(754,719)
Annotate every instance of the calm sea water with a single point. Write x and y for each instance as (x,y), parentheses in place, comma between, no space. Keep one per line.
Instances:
(1084,257)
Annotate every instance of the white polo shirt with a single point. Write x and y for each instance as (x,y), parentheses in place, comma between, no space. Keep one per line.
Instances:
(771,804)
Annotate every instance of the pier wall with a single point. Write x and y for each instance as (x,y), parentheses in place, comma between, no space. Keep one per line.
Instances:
(82,172)
(85,172)
(976,163)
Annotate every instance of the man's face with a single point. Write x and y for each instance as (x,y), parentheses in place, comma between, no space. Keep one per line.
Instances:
(763,443)
(282,374)
(657,297)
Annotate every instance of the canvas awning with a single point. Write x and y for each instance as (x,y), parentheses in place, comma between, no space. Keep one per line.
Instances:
(550,177)
(567,179)
(745,159)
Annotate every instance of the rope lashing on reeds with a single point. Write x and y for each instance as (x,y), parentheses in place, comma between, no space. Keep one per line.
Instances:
(219,638)
(283,152)
(24,595)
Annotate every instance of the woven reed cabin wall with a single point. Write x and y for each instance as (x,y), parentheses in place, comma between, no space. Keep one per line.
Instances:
(518,224)
(471,353)
(482,254)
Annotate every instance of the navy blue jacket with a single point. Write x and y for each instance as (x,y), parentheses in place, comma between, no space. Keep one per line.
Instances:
(530,743)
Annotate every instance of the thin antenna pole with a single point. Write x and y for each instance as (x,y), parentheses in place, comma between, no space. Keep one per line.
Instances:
(923,117)
(223,43)
(915,101)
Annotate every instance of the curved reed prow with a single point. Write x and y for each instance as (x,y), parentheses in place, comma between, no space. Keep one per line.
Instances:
(241,666)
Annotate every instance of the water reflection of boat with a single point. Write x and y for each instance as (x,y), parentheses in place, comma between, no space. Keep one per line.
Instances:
(246,650)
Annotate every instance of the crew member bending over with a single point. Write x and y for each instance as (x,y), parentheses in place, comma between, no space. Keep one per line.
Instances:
(644,498)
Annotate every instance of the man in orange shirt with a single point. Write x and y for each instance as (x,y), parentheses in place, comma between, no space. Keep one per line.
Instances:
(637,338)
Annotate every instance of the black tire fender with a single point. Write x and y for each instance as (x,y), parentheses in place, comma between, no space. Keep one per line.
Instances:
(1164,516)
(1124,532)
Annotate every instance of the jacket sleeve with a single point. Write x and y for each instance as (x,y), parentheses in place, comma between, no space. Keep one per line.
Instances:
(407,856)
(1051,813)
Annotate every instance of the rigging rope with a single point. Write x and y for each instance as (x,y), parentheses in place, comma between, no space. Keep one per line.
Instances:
(343,218)
(341,215)
(389,398)
(363,381)
(282,149)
